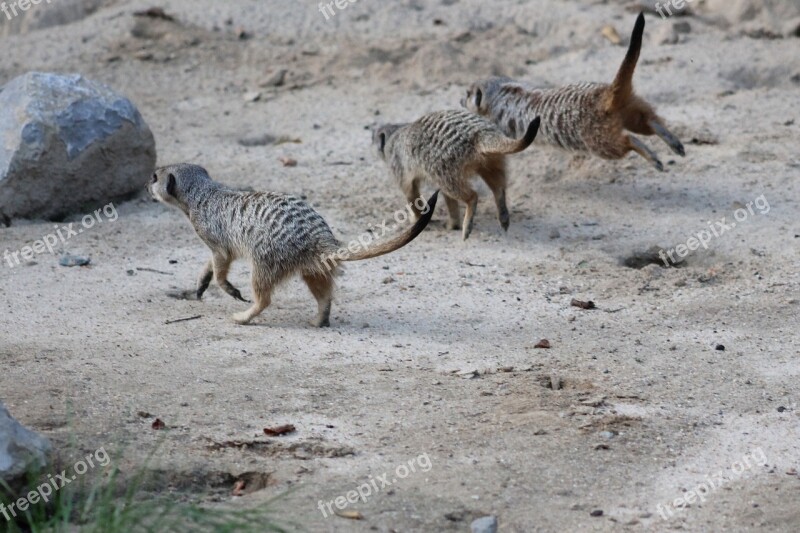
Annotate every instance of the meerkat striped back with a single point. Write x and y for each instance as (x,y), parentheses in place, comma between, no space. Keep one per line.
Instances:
(563,111)
(445,139)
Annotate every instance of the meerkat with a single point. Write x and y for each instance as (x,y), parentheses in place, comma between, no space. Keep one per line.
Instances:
(280,234)
(584,117)
(447,148)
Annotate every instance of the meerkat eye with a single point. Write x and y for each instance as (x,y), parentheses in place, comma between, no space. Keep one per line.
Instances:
(478,97)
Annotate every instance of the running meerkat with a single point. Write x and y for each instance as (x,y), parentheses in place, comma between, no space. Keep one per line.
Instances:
(280,234)
(448,148)
(584,117)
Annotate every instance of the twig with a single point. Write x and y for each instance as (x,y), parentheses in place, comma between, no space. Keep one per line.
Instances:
(168,322)
(143,269)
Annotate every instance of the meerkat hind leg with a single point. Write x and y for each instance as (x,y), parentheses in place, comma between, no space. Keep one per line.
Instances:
(494,174)
(640,148)
(471,199)
(453,213)
(222,265)
(321,286)
(668,137)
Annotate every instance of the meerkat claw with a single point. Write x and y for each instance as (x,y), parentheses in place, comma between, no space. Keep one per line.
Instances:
(234,292)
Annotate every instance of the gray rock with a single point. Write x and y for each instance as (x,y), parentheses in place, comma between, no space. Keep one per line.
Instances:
(486,524)
(44,15)
(68,144)
(21,450)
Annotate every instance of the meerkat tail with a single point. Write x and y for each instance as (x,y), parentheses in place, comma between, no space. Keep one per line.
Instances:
(397,242)
(502,145)
(622,88)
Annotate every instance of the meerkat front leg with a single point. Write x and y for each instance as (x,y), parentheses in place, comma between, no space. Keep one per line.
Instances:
(222,265)
(411,191)
(262,293)
(205,279)
(640,148)
(453,213)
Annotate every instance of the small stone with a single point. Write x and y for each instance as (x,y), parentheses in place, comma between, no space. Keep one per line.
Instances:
(596,513)
(276,79)
(252,96)
(74,261)
(682,27)
(486,524)
(608,434)
(720,348)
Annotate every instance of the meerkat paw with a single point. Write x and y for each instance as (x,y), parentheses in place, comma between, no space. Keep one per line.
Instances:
(453,225)
(242,318)
(322,323)
(234,292)
(505,220)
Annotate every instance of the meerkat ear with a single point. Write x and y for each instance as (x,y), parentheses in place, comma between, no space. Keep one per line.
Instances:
(382,141)
(172,185)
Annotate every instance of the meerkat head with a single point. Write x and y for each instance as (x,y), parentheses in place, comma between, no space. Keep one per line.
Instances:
(381,136)
(480,95)
(170,184)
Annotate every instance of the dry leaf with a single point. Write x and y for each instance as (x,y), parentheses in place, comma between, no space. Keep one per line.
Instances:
(352,515)
(544,344)
(288,161)
(611,34)
(280,430)
(159,424)
(583,305)
(238,488)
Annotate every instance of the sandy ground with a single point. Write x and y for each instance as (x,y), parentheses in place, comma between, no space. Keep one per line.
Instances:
(650,406)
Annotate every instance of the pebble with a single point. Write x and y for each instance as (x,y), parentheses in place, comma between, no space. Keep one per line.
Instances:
(74,261)
(486,524)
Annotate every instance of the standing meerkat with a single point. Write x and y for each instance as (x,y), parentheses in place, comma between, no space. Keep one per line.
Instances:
(448,148)
(584,117)
(281,235)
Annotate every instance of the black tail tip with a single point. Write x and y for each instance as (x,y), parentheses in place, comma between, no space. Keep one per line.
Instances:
(639,26)
(432,200)
(533,131)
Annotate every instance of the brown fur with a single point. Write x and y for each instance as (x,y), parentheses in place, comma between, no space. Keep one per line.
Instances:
(590,117)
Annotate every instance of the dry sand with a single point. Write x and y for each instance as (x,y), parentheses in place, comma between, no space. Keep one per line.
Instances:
(649,406)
